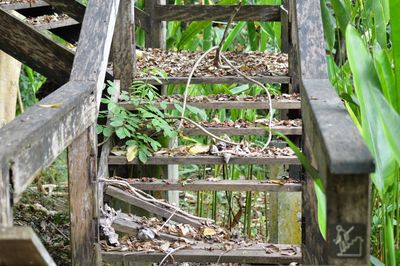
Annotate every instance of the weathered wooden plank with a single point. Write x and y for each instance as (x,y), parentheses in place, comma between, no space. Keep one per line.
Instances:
(29,46)
(276,104)
(123,53)
(28,245)
(6,216)
(249,131)
(155,38)
(206,159)
(6,5)
(220,185)
(142,19)
(33,140)
(217,80)
(83,205)
(252,255)
(150,207)
(325,114)
(91,57)
(348,206)
(72,8)
(56,24)
(217,12)
(329,126)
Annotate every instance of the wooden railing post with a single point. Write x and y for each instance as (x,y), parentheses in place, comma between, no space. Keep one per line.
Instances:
(82,167)
(348,226)
(156,37)
(90,65)
(6,217)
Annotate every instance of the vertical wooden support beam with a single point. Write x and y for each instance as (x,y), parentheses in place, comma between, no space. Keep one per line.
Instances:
(156,38)
(6,217)
(348,227)
(122,49)
(82,165)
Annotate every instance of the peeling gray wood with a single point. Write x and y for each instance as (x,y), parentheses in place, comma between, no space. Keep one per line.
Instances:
(34,139)
(155,38)
(84,208)
(26,5)
(6,215)
(123,52)
(217,12)
(91,57)
(29,46)
(206,159)
(21,246)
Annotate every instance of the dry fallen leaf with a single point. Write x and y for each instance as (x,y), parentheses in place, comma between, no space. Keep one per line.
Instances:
(54,105)
(209,231)
(131,153)
(198,149)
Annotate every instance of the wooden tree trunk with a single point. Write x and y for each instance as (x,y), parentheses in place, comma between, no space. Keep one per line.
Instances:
(9,82)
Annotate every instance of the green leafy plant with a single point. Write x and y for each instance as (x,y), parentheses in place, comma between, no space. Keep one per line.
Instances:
(128,125)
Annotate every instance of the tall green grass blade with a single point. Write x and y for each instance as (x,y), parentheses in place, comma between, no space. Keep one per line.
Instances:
(329,26)
(253,36)
(233,35)
(342,13)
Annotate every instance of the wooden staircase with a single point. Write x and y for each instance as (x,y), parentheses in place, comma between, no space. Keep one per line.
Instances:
(318,122)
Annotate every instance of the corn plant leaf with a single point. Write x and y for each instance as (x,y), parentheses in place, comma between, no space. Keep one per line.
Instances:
(329,25)
(395,28)
(342,13)
(367,86)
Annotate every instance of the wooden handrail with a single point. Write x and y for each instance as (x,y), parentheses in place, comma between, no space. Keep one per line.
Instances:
(334,145)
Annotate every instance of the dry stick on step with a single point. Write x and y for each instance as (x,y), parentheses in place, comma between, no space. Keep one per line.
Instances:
(146,197)
(217,58)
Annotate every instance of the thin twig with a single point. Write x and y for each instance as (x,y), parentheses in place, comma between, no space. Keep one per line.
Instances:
(203,129)
(217,58)
(240,73)
(20,102)
(170,253)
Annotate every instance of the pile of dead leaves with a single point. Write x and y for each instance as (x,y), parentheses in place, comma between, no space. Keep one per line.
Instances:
(241,123)
(180,63)
(45,19)
(228,97)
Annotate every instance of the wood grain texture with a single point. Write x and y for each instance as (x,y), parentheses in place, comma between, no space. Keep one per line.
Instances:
(150,207)
(324,114)
(206,159)
(34,139)
(91,58)
(216,12)
(155,38)
(142,19)
(250,255)
(123,53)
(82,172)
(28,245)
(72,8)
(6,216)
(221,185)
(31,47)
(217,80)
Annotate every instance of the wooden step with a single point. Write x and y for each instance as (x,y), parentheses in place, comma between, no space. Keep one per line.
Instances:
(49,22)
(160,210)
(248,131)
(255,254)
(262,66)
(206,159)
(226,101)
(12,5)
(216,185)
